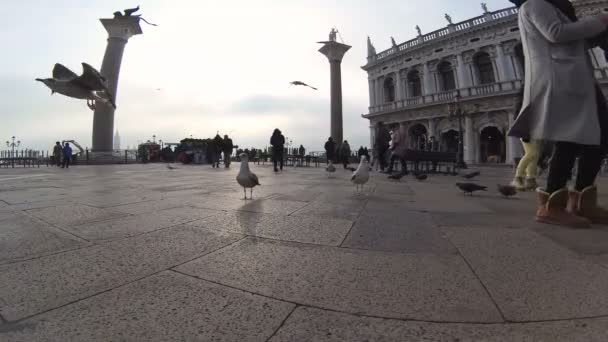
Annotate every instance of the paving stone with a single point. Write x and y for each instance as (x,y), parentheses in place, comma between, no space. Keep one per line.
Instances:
(68,215)
(344,212)
(164,307)
(409,232)
(41,284)
(582,241)
(151,206)
(270,206)
(438,288)
(306,229)
(307,324)
(114,199)
(530,277)
(23,237)
(139,224)
(489,220)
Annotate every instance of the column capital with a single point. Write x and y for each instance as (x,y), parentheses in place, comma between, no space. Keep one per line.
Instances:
(334,51)
(122,27)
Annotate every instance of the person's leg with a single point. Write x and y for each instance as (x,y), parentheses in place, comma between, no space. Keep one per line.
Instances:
(583,198)
(561,165)
(275,160)
(391,164)
(553,203)
(532,153)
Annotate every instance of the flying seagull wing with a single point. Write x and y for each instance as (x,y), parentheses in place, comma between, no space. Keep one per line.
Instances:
(91,79)
(62,73)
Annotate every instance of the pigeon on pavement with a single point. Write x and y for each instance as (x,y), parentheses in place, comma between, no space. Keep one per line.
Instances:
(361,175)
(246,178)
(471,175)
(351,169)
(470,188)
(397,176)
(507,190)
(90,85)
(171,167)
(422,177)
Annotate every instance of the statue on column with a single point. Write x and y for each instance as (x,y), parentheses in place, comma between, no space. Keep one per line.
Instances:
(371,50)
(449,19)
(418,30)
(332,35)
(130,12)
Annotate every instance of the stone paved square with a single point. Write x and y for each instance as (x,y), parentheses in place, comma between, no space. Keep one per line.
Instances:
(307,260)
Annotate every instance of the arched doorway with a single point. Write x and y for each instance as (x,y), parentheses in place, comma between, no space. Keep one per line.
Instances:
(449,141)
(418,137)
(492,145)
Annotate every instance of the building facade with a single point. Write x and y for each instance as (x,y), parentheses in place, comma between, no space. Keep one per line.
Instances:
(476,65)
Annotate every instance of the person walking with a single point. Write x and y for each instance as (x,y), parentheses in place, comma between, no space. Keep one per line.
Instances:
(383,138)
(345,153)
(57,153)
(330,150)
(395,148)
(228,147)
(562,103)
(218,147)
(278,144)
(527,169)
(67,156)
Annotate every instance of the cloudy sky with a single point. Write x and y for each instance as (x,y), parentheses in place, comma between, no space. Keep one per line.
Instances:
(220,65)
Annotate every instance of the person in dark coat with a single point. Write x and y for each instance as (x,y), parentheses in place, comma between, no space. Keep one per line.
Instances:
(218,146)
(361,152)
(563,103)
(57,153)
(330,150)
(278,146)
(345,153)
(67,156)
(383,138)
(227,147)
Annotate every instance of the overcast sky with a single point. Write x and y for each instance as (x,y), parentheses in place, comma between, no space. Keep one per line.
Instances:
(220,65)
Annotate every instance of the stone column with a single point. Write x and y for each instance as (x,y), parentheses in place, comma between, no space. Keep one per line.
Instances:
(432,129)
(469,140)
(119,31)
(334,52)
(427,80)
(464,81)
(372,95)
(398,87)
(503,74)
(372,135)
(514,148)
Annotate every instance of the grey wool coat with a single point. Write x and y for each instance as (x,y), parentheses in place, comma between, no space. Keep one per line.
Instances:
(559,102)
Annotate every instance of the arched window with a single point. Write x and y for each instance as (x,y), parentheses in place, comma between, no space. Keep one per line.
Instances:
(485,68)
(446,76)
(414,84)
(389,90)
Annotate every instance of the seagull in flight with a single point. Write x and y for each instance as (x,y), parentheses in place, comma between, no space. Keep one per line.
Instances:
(90,85)
(300,83)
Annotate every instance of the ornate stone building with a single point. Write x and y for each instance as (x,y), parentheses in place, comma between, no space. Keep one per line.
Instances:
(477,63)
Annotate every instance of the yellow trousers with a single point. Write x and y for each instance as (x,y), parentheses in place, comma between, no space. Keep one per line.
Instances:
(528,165)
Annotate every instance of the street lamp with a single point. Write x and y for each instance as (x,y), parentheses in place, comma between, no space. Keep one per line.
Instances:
(12,144)
(154,138)
(161,143)
(456,110)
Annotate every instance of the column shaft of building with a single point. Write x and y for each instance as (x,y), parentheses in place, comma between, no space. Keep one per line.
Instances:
(464,80)
(398,87)
(336,100)
(428,80)
(503,72)
(372,100)
(432,129)
(103,119)
(469,140)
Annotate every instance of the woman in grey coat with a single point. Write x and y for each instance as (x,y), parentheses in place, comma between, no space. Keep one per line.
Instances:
(563,104)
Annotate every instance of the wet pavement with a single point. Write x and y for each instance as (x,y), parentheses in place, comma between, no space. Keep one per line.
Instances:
(144,253)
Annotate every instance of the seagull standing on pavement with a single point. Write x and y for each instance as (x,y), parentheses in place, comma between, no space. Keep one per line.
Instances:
(90,85)
(361,175)
(246,178)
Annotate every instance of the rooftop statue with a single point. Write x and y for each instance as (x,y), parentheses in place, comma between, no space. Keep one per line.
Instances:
(393,42)
(484,7)
(449,19)
(419,30)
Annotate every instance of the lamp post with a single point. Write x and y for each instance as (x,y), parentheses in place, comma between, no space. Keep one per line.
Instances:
(12,144)
(456,110)
(154,138)
(161,143)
